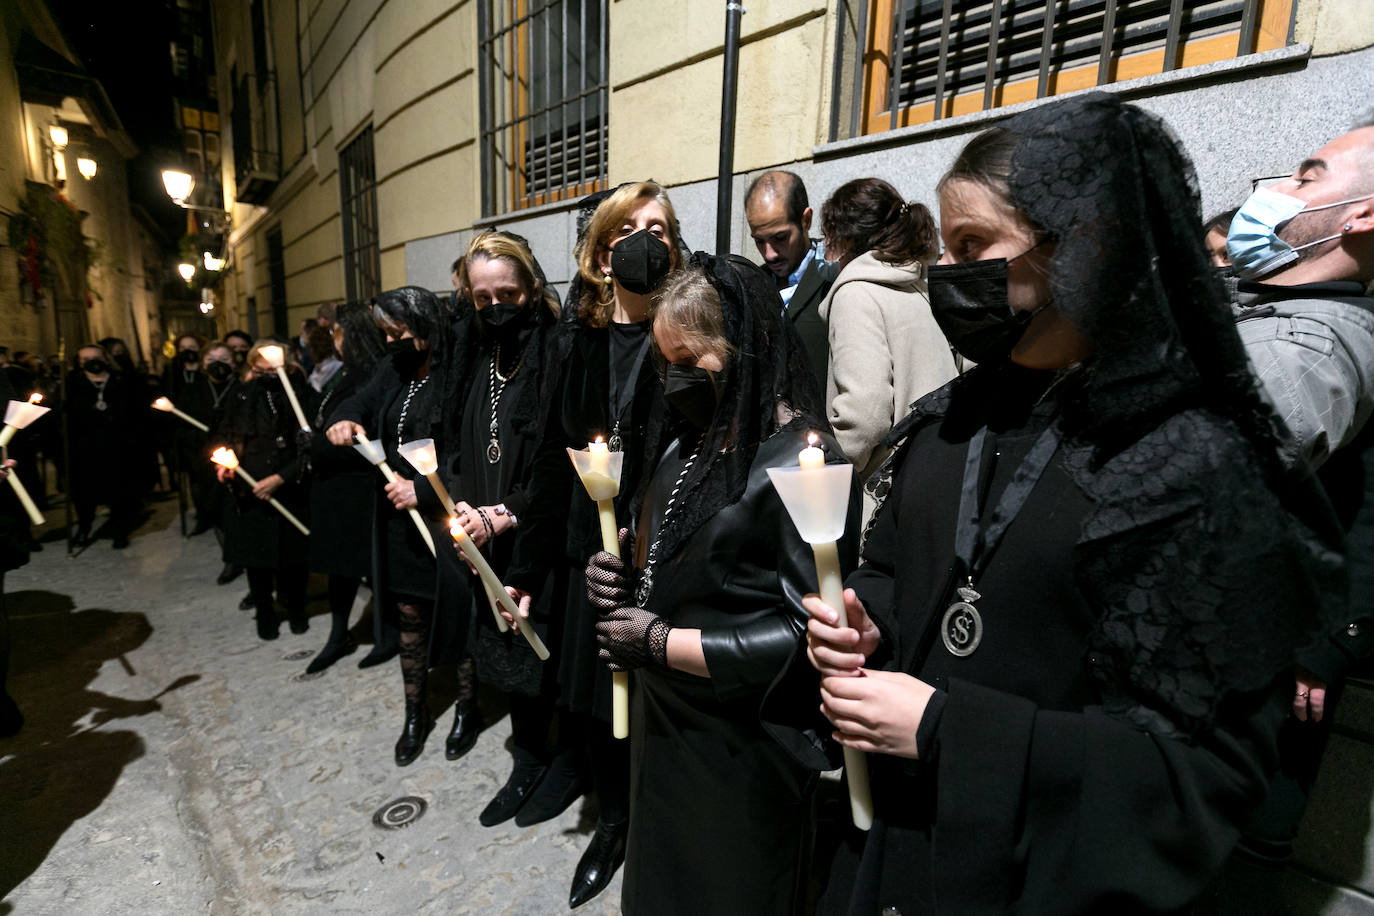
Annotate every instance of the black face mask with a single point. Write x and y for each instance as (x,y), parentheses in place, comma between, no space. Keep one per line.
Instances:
(96,366)
(693,392)
(969,302)
(219,371)
(501,318)
(239,357)
(190,356)
(640,262)
(404,355)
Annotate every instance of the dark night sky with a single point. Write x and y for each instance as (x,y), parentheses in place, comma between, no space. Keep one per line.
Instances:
(126,46)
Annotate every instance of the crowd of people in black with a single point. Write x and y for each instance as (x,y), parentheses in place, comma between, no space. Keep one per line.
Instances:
(1097,611)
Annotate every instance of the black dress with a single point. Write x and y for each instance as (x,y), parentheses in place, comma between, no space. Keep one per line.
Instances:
(208,403)
(532,480)
(1054,777)
(100,429)
(720,810)
(343,490)
(262,430)
(585,412)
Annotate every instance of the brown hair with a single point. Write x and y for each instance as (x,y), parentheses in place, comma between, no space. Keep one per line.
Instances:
(691,304)
(495,245)
(598,295)
(868,214)
(985,162)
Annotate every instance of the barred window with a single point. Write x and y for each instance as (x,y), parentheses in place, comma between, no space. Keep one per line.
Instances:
(924,60)
(358,188)
(542,80)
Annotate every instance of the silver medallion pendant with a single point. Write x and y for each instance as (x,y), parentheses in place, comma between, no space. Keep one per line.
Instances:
(961,629)
(101,405)
(645,587)
(616,444)
(493,451)
(281,442)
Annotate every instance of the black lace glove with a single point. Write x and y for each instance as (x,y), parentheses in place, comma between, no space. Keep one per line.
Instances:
(628,636)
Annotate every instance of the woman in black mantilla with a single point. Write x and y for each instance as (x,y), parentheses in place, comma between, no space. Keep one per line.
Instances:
(207,399)
(262,430)
(513,481)
(1071,641)
(711,614)
(611,390)
(343,483)
(409,396)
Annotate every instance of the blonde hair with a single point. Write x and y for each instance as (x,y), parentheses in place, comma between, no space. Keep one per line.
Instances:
(288,357)
(692,305)
(598,296)
(495,245)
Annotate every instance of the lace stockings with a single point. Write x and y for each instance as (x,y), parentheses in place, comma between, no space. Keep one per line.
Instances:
(414,618)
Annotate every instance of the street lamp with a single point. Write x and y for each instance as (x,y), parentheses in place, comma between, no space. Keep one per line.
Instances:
(178,184)
(213,263)
(86,167)
(58,135)
(187,270)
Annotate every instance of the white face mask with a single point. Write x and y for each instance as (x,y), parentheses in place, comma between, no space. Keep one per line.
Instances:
(1253,243)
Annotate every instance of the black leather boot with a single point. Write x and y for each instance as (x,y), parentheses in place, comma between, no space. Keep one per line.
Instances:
(467,725)
(330,654)
(417,728)
(513,795)
(562,786)
(269,624)
(598,864)
(378,655)
(299,622)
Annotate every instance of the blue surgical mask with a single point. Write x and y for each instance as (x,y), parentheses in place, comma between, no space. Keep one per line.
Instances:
(1253,242)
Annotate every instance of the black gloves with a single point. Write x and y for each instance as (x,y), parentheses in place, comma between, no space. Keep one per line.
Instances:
(629,636)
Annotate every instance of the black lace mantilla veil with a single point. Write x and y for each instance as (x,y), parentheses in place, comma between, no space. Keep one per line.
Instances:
(1210,568)
(767,387)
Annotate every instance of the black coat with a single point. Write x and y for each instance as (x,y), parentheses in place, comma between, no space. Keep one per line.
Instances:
(720,810)
(343,489)
(14,521)
(102,443)
(1055,778)
(193,446)
(583,414)
(257,536)
(804,311)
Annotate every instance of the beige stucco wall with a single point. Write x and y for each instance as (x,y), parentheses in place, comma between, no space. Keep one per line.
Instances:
(1335,26)
(781,71)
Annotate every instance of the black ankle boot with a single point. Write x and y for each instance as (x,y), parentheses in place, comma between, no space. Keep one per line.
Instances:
(598,864)
(417,728)
(331,653)
(378,655)
(299,622)
(513,795)
(467,725)
(269,624)
(562,786)
(228,574)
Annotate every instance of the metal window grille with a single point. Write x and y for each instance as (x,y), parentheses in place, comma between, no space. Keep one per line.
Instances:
(276,278)
(542,80)
(358,188)
(921,60)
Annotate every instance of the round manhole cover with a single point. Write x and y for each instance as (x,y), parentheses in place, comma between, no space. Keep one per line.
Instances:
(306,676)
(399,813)
(297,655)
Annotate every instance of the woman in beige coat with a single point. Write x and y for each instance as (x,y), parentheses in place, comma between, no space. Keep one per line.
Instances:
(885,348)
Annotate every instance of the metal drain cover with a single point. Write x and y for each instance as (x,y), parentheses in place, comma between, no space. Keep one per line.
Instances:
(297,655)
(399,813)
(306,676)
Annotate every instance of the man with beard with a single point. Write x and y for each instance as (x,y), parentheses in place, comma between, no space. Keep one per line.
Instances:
(775,206)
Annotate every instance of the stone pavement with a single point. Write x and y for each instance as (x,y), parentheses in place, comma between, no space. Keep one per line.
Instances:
(173,763)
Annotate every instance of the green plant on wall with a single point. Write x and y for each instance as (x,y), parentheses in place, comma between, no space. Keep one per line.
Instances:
(46,234)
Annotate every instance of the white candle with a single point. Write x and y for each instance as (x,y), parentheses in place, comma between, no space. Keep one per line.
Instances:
(814,497)
(19,414)
(495,588)
(375,454)
(24,499)
(602,481)
(276,359)
(225,457)
(166,406)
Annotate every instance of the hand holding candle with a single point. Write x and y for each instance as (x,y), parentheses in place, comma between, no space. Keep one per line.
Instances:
(424,457)
(816,496)
(19,414)
(495,588)
(166,406)
(599,470)
(276,358)
(225,458)
(373,452)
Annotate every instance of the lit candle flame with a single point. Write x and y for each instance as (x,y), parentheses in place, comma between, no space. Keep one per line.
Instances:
(35,398)
(225,457)
(273,356)
(598,440)
(455,529)
(812,439)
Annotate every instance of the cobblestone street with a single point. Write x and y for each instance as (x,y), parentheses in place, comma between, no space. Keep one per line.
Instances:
(173,763)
